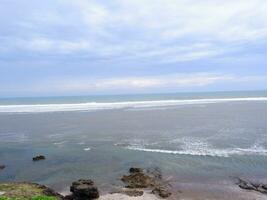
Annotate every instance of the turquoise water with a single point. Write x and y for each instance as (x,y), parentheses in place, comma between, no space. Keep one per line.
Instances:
(214,137)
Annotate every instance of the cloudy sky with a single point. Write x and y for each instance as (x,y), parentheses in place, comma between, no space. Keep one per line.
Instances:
(82,47)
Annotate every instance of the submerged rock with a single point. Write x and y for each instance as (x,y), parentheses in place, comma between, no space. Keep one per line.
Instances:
(135,170)
(83,190)
(2,167)
(248,185)
(155,172)
(39,157)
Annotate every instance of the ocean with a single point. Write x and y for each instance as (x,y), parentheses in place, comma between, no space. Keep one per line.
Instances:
(202,138)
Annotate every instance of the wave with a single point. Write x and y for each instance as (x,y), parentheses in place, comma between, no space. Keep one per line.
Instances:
(13,137)
(207,152)
(195,147)
(91,106)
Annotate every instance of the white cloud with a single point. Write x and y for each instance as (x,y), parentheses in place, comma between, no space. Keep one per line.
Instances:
(163,83)
(227,20)
(177,81)
(63,46)
(163,31)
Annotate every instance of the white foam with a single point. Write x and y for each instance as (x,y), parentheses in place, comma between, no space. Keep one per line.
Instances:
(115,105)
(87,149)
(81,143)
(201,148)
(60,143)
(210,152)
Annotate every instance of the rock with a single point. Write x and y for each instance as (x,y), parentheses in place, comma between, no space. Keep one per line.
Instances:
(84,190)
(155,172)
(262,189)
(264,186)
(135,170)
(129,192)
(39,157)
(27,190)
(162,191)
(138,180)
(134,193)
(50,192)
(151,179)
(69,197)
(248,185)
(2,167)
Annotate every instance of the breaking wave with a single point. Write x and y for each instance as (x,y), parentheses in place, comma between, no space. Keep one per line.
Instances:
(87,149)
(196,147)
(207,152)
(115,105)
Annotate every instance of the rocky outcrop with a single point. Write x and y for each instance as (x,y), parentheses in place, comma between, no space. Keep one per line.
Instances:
(151,179)
(39,157)
(83,190)
(249,185)
(137,179)
(26,190)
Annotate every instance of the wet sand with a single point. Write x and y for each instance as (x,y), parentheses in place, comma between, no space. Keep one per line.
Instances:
(192,191)
(145,196)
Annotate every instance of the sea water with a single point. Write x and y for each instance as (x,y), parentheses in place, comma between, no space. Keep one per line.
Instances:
(190,137)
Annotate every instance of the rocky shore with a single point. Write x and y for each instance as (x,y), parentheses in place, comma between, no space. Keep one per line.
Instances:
(147,184)
(253,186)
(139,184)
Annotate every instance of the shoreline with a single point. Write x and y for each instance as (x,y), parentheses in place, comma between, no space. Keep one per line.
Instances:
(223,190)
(141,184)
(186,192)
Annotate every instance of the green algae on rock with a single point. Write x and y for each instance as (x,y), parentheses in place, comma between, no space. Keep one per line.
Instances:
(27,191)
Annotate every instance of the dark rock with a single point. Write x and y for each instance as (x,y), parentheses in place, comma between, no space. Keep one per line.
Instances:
(248,185)
(262,189)
(2,167)
(84,190)
(162,191)
(39,157)
(264,186)
(138,180)
(69,197)
(135,170)
(152,179)
(133,193)
(50,192)
(130,192)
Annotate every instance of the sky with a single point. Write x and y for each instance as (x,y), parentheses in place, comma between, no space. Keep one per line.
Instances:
(83,47)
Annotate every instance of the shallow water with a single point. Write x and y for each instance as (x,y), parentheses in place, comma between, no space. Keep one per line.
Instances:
(193,143)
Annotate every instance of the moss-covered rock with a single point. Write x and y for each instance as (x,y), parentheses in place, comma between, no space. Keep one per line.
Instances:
(27,191)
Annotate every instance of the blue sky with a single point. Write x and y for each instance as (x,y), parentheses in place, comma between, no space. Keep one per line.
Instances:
(83,47)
